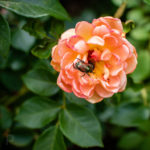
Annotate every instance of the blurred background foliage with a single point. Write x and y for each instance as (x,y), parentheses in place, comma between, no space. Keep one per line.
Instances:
(35,113)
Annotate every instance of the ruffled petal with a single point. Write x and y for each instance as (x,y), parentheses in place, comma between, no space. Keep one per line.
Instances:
(106,54)
(100,30)
(95,98)
(62,85)
(115,23)
(122,52)
(102,92)
(123,79)
(67,34)
(78,44)
(67,59)
(84,29)
(63,48)
(95,41)
(87,89)
(55,55)
(56,66)
(131,64)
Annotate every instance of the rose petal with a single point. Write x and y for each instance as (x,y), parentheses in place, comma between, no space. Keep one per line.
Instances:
(100,30)
(102,92)
(56,66)
(78,44)
(123,79)
(122,52)
(62,85)
(55,55)
(111,42)
(67,59)
(95,98)
(67,34)
(131,64)
(87,89)
(84,29)
(96,40)
(106,54)
(63,48)
(115,23)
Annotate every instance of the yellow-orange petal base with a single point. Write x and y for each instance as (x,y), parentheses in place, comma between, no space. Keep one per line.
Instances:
(101,43)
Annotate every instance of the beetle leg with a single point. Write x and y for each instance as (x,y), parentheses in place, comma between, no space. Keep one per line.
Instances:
(80,60)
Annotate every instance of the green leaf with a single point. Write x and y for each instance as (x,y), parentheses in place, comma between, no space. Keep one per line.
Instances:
(147,1)
(80,126)
(127,115)
(140,34)
(130,140)
(21,36)
(56,28)
(41,82)
(36,28)
(74,99)
(51,139)
(36,8)
(4,38)
(142,70)
(11,80)
(43,49)
(45,64)
(130,3)
(5,118)
(135,15)
(37,112)
(20,137)
(146,143)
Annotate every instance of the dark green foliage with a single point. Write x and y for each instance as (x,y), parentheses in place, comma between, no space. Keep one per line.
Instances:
(35,114)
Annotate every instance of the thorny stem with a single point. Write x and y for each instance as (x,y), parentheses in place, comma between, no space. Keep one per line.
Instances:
(121,9)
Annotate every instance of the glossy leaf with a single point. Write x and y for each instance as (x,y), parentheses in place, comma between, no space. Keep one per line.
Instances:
(5,118)
(4,37)
(147,1)
(11,80)
(21,36)
(40,82)
(143,70)
(50,139)
(130,140)
(74,99)
(20,137)
(56,28)
(35,28)
(37,112)
(128,115)
(36,8)
(80,126)
(43,48)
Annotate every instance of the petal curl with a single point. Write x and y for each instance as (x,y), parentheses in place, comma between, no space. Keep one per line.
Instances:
(95,98)
(131,64)
(115,23)
(100,30)
(78,44)
(67,34)
(84,29)
(102,92)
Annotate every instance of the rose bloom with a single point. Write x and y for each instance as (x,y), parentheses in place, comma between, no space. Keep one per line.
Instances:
(93,59)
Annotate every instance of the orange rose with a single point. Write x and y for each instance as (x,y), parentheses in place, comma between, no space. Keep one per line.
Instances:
(93,59)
